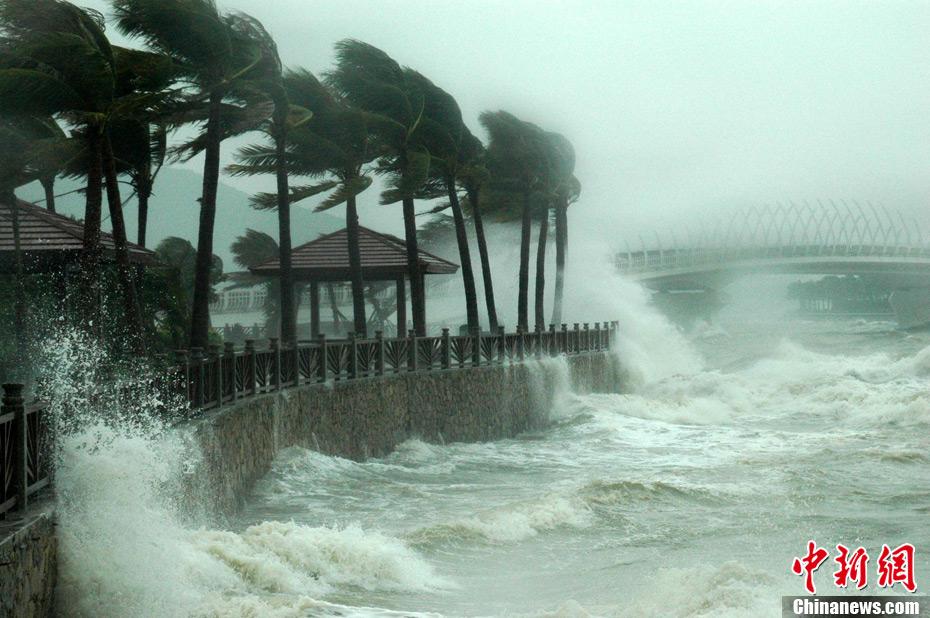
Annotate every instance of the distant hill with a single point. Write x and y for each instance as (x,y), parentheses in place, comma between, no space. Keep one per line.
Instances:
(174,211)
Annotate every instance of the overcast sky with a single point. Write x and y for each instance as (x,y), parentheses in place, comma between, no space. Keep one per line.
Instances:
(673,107)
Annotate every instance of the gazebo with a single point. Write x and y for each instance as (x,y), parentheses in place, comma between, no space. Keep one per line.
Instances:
(49,241)
(384,258)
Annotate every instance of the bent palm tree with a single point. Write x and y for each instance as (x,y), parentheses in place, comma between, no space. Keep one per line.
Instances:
(374,82)
(472,176)
(332,147)
(566,191)
(517,161)
(447,139)
(213,55)
(268,78)
(56,60)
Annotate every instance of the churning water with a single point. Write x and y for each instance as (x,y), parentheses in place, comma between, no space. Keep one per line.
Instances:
(688,497)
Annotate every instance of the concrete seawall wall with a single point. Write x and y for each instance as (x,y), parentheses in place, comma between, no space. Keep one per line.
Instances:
(370,417)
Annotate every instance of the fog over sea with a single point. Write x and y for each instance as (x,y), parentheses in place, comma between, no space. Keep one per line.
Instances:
(688,496)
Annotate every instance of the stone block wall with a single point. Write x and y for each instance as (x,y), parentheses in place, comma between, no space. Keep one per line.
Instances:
(28,565)
(369,417)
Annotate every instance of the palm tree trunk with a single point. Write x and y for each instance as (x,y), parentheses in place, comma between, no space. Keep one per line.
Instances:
(468,276)
(48,185)
(123,268)
(473,196)
(417,293)
(355,268)
(561,242)
(541,270)
(90,254)
(524,282)
(200,313)
(288,311)
(143,193)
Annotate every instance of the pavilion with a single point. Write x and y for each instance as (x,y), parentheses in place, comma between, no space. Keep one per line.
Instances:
(384,258)
(49,241)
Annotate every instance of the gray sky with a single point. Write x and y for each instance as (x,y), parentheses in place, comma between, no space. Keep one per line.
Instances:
(673,107)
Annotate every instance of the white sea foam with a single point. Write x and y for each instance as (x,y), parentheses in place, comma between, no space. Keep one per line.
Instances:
(511,523)
(124,550)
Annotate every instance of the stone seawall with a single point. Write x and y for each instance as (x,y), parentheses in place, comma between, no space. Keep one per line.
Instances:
(369,417)
(28,564)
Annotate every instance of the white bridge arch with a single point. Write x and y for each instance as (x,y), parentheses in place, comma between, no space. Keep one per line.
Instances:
(826,238)
(838,238)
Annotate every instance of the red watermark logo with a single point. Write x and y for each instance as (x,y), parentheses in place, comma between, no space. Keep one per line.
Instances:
(894,566)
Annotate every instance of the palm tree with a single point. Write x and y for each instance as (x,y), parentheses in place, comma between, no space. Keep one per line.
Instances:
(248,251)
(447,139)
(171,287)
(39,75)
(472,176)
(567,190)
(374,82)
(332,146)
(517,162)
(268,78)
(140,136)
(213,54)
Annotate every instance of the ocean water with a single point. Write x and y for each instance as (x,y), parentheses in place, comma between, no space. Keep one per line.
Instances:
(688,496)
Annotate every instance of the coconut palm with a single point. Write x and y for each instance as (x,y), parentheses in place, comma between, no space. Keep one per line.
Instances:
(331,147)
(268,78)
(517,161)
(56,60)
(557,188)
(213,55)
(250,250)
(566,191)
(372,81)
(140,135)
(447,139)
(473,175)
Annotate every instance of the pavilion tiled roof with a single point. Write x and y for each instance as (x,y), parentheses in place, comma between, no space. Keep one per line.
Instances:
(47,236)
(327,257)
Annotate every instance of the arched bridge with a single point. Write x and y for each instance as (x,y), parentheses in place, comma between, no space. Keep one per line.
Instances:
(839,238)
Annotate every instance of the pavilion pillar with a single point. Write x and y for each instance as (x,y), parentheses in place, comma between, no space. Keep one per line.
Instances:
(401,307)
(314,309)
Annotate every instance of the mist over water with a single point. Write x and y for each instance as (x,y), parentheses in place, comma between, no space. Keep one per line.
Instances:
(688,496)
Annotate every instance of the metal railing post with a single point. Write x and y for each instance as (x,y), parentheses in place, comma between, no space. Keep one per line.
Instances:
(197,360)
(324,361)
(229,353)
(552,345)
(216,366)
(563,344)
(521,344)
(446,349)
(181,360)
(13,404)
(379,352)
(275,350)
(412,350)
(353,356)
(586,337)
(576,338)
(537,331)
(502,344)
(248,368)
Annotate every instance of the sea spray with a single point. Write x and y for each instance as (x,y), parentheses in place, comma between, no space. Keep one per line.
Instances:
(550,386)
(127,547)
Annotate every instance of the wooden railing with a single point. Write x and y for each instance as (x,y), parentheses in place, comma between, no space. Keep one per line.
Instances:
(220,376)
(25,450)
